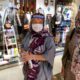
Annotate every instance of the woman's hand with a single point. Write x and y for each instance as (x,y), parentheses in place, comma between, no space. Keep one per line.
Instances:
(39,58)
(26,56)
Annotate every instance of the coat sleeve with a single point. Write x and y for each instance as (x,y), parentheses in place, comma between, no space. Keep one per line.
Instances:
(49,53)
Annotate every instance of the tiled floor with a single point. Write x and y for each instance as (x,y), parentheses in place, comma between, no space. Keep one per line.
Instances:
(14,73)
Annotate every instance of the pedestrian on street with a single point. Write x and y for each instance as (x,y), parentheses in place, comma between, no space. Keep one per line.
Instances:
(38,51)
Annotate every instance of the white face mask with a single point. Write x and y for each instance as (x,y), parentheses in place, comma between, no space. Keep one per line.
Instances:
(37,27)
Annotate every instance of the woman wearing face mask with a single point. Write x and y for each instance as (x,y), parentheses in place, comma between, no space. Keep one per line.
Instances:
(38,51)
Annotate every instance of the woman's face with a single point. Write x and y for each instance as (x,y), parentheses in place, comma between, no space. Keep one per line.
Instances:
(37,25)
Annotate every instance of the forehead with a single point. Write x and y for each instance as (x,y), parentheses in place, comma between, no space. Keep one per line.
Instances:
(37,20)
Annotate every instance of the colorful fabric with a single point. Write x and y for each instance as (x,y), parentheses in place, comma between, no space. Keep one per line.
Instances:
(36,45)
(75,66)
